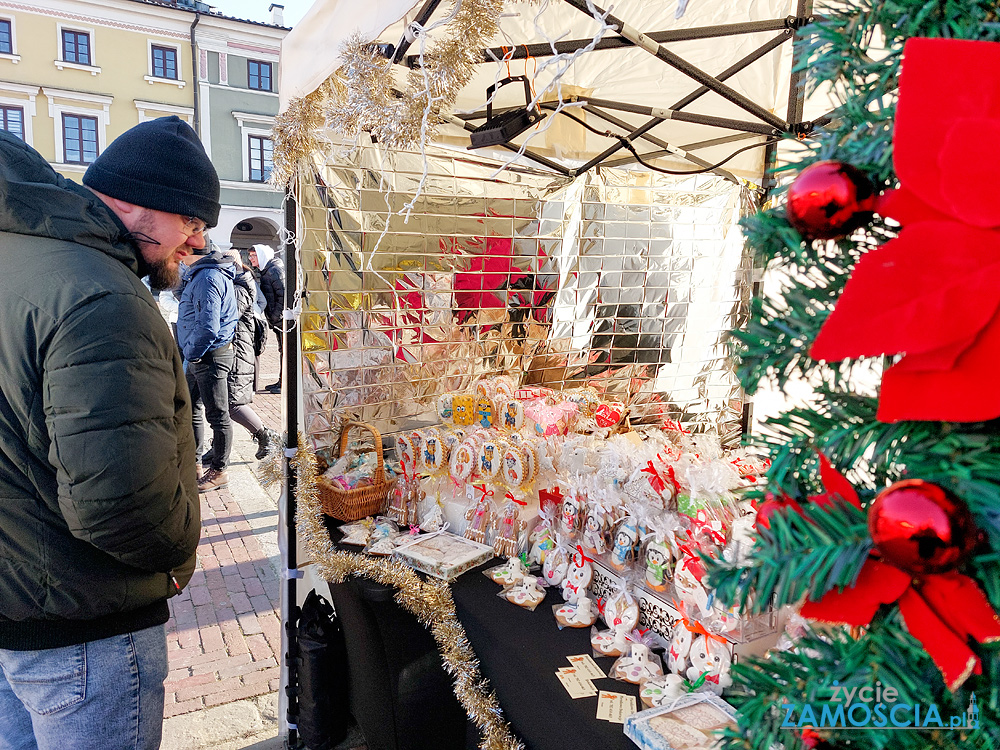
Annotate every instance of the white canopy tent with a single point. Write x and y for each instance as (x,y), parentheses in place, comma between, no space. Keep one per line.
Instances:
(684,86)
(718,81)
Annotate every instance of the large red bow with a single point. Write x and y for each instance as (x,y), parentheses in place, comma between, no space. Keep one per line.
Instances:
(941,611)
(931,293)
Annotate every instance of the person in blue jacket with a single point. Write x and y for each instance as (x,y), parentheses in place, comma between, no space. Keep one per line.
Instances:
(206,323)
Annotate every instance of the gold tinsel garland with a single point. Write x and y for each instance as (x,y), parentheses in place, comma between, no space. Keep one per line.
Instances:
(361,94)
(430,601)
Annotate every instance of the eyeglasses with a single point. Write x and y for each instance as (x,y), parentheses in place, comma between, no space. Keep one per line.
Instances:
(194,226)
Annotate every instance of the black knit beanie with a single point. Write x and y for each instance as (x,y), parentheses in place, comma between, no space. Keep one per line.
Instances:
(159,164)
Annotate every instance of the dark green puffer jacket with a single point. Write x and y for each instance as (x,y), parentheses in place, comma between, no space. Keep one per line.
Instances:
(99,510)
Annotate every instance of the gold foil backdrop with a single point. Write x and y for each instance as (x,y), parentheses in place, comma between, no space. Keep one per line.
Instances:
(624,280)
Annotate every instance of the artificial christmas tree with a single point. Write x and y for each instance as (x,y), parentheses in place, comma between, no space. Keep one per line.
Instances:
(903,646)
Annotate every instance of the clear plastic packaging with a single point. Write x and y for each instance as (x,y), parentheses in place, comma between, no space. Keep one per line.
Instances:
(527,593)
(381,541)
(612,642)
(357,532)
(508,573)
(638,664)
(581,614)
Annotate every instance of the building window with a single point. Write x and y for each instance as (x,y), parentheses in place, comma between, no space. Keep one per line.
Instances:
(6,37)
(164,62)
(76,47)
(260,158)
(12,120)
(79,139)
(259,75)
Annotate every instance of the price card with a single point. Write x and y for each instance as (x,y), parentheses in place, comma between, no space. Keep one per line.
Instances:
(587,667)
(615,707)
(576,685)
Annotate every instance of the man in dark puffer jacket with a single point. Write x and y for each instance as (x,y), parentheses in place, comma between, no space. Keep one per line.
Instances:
(99,512)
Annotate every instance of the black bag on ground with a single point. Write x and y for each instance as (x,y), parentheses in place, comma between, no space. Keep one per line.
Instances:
(324,715)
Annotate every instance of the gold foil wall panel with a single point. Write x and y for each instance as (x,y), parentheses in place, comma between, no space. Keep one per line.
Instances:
(626,281)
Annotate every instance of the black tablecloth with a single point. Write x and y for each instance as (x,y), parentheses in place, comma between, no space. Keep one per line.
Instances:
(519,653)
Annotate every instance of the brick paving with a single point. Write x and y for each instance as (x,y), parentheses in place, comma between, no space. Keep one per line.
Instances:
(224,632)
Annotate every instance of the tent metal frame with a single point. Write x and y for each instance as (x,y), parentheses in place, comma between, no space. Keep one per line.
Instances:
(761,123)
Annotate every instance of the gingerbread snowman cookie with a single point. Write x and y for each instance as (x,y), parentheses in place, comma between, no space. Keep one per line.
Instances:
(582,614)
(612,642)
(525,593)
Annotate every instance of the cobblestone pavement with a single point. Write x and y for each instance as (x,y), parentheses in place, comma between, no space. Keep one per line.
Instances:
(224,633)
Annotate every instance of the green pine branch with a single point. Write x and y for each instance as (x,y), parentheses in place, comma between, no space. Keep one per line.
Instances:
(854,51)
(800,555)
(885,653)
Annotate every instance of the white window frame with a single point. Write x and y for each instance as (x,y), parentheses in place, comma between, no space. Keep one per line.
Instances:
(13,55)
(61,64)
(251,124)
(78,103)
(179,82)
(21,95)
(185,113)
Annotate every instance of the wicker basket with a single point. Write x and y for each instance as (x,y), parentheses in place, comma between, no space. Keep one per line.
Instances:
(352,505)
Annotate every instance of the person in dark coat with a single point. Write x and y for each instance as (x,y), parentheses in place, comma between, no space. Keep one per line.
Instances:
(272,283)
(206,324)
(99,518)
(241,378)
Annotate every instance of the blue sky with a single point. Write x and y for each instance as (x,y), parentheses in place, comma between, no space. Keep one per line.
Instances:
(257,10)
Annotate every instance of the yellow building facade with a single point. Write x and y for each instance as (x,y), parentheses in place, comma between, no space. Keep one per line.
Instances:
(74,74)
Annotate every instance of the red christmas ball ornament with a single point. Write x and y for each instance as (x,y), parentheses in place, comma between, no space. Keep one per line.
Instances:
(771,504)
(830,199)
(921,528)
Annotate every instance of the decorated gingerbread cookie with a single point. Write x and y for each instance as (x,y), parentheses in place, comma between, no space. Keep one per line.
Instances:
(612,642)
(405,451)
(434,453)
(640,664)
(525,593)
(485,412)
(514,471)
(556,565)
(622,610)
(582,614)
(490,458)
(463,409)
(655,691)
(463,460)
(504,387)
(512,415)
(444,408)
(578,577)
(509,573)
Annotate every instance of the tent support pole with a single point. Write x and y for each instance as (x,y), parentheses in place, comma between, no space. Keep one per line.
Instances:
(290,389)
(670,114)
(544,49)
(422,18)
(718,141)
(796,106)
(682,65)
(728,73)
(666,148)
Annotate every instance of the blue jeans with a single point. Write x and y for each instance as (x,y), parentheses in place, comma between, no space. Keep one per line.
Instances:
(95,696)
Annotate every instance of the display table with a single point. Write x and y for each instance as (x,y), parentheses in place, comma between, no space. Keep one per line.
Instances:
(519,652)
